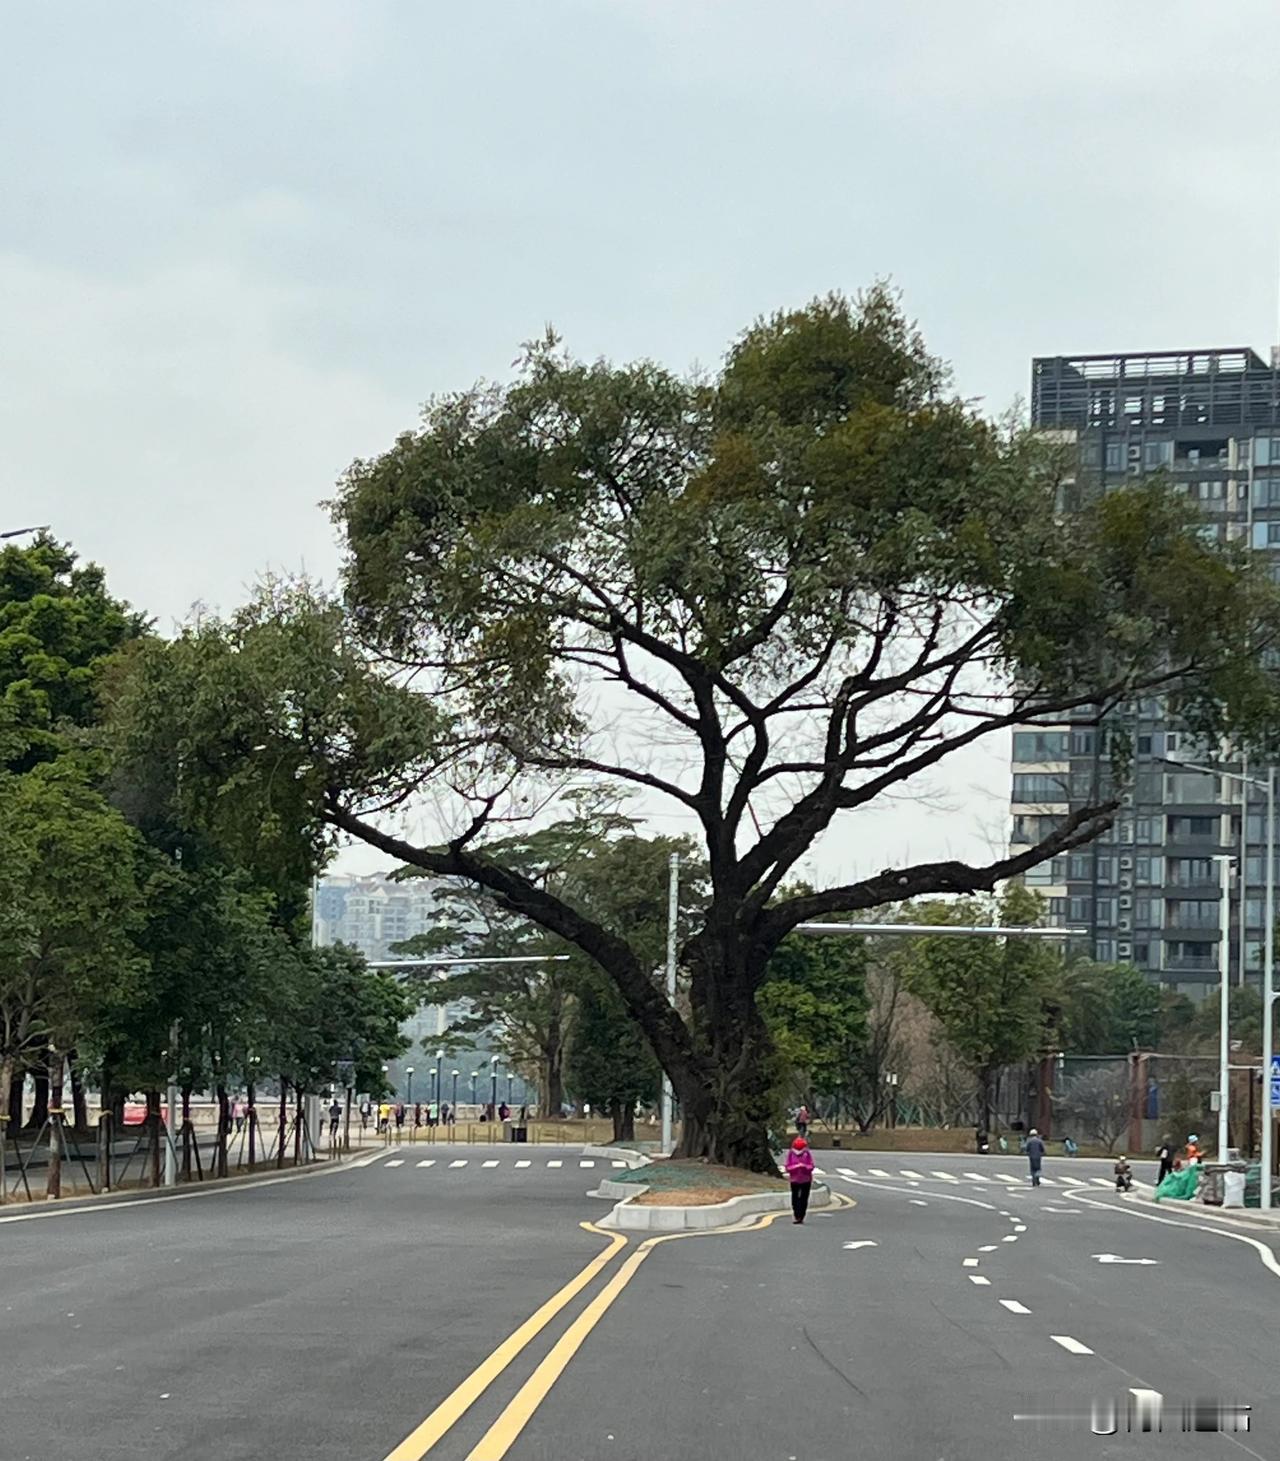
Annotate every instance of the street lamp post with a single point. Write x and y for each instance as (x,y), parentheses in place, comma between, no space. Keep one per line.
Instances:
(509,1080)
(1224,1006)
(439,1079)
(673,913)
(493,1073)
(475,1076)
(455,1093)
(1268,976)
(408,1071)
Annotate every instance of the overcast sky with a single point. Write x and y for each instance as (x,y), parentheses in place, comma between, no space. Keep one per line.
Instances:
(241,242)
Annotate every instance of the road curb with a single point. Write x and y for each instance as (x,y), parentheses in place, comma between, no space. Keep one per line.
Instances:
(1235,1215)
(627,1216)
(626,1154)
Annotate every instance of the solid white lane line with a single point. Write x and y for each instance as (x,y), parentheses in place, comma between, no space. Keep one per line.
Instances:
(1014,1307)
(969,1262)
(978,1279)
(987,1248)
(586,1164)
(556,1163)
(395,1162)
(878,1172)
(430,1162)
(1072,1346)
(488,1164)
(461,1162)
(975,1177)
(526,1164)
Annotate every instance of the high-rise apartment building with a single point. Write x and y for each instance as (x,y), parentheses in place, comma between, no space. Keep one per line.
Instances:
(1148,891)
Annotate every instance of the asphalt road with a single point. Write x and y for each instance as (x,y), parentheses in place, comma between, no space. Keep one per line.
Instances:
(340,1315)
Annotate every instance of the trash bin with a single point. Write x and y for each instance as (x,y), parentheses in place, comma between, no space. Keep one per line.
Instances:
(1233,1189)
(520,1133)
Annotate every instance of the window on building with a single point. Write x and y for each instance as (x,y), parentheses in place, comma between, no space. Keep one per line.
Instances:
(1076,909)
(1115,456)
(1157,454)
(1105,916)
(1192,913)
(1266,450)
(1192,826)
(1185,871)
(1144,745)
(1106,870)
(1142,953)
(1031,786)
(1082,742)
(1040,745)
(1078,866)
(1190,786)
(1105,950)
(1057,909)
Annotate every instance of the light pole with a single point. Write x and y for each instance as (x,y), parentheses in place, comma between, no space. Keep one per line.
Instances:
(673,913)
(1224,965)
(493,1073)
(22,532)
(1268,973)
(455,1093)
(475,1076)
(439,1079)
(408,1071)
(509,1079)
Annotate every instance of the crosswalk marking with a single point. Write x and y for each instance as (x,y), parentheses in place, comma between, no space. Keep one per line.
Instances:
(461,1162)
(945,1176)
(586,1164)
(488,1164)
(878,1172)
(430,1162)
(522,1164)
(976,1177)
(1103,1182)
(398,1162)
(905,1173)
(1005,1177)
(556,1163)
(847,1172)
(818,1172)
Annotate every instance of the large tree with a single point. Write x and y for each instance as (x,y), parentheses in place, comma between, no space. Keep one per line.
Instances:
(769,598)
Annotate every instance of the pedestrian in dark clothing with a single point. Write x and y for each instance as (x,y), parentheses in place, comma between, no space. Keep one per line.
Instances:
(1035,1155)
(399,1114)
(802,1120)
(1165,1153)
(335,1115)
(800,1175)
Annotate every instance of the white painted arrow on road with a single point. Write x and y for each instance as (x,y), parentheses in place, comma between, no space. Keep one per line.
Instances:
(862,1243)
(1115,1258)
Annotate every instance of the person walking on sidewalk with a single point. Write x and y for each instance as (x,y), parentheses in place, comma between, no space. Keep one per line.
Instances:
(1165,1153)
(1035,1155)
(800,1175)
(802,1120)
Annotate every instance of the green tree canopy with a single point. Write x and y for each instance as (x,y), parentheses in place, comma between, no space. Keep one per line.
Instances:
(770,597)
(58,627)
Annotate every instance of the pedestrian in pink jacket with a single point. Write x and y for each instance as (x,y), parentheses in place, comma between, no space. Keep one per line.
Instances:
(800,1175)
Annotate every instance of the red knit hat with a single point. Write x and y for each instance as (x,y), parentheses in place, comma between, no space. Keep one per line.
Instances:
(799,1144)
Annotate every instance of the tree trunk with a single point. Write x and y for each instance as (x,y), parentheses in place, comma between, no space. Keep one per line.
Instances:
(729,1098)
(40,1106)
(251,1116)
(7,1064)
(985,1076)
(17,1089)
(186,1133)
(79,1106)
(284,1120)
(53,1069)
(224,1121)
(623,1115)
(153,1123)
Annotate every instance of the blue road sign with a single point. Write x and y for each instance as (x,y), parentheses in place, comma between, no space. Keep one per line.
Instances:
(1275,1080)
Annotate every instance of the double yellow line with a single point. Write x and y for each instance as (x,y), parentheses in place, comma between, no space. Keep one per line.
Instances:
(502,1434)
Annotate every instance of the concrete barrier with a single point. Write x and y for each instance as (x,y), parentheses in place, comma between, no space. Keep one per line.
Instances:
(632,1158)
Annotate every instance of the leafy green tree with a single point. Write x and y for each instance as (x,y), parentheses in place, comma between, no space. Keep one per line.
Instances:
(988,995)
(69,902)
(814,1001)
(770,598)
(610,1062)
(58,627)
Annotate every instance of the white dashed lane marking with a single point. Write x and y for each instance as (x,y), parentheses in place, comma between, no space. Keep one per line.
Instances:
(461,1162)
(555,1164)
(522,1164)
(1072,1346)
(586,1164)
(970,1262)
(430,1162)
(395,1162)
(1014,1307)
(1009,1238)
(987,1248)
(978,1279)
(488,1164)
